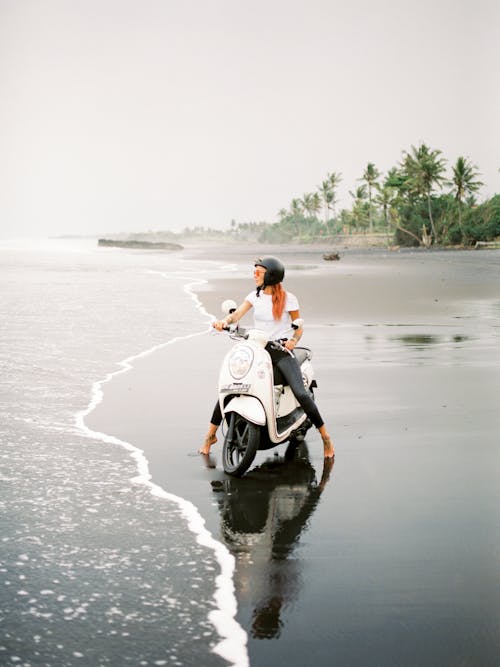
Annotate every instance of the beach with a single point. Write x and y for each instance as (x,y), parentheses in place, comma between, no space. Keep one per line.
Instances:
(388,556)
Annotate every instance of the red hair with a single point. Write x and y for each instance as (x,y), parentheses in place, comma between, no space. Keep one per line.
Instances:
(279,300)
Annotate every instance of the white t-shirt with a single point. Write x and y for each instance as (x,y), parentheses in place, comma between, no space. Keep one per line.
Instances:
(263,314)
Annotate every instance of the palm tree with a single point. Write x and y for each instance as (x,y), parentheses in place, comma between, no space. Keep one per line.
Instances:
(370,178)
(465,183)
(385,198)
(295,207)
(359,193)
(296,211)
(310,204)
(307,203)
(388,199)
(424,169)
(359,212)
(334,180)
(316,203)
(398,181)
(283,214)
(327,195)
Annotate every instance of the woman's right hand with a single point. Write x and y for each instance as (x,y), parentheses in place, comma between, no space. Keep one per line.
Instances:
(219,325)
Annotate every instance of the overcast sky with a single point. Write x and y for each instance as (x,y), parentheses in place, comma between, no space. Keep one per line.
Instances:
(121,115)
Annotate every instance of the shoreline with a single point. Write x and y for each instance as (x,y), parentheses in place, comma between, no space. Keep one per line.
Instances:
(232,644)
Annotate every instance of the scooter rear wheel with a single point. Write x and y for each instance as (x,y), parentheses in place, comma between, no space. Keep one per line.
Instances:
(240,445)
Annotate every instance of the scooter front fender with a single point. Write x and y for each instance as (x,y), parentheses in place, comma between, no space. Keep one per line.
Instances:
(248,407)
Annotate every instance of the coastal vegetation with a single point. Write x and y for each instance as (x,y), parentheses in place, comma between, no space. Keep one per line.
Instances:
(423,200)
(416,203)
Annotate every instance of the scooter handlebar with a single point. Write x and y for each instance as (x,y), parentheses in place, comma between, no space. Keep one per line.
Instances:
(233,330)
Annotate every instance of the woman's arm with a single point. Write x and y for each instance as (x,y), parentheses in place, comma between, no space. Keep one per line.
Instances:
(297,334)
(232,318)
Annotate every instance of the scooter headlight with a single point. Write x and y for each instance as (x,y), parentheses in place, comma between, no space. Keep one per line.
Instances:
(240,361)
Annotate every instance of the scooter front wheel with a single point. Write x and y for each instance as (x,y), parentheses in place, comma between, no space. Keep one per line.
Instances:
(240,445)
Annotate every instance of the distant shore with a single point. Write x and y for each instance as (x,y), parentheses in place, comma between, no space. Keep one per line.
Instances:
(326,244)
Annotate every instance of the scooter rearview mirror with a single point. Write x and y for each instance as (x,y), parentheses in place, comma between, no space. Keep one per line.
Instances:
(228,306)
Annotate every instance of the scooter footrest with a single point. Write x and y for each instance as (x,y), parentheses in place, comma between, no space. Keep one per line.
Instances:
(283,423)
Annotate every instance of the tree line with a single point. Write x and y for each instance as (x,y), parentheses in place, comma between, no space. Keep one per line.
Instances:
(414,203)
(418,202)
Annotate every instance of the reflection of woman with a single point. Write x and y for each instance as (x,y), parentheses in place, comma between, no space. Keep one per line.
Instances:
(262,520)
(274,311)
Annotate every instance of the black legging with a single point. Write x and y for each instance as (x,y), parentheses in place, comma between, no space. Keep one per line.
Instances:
(289,367)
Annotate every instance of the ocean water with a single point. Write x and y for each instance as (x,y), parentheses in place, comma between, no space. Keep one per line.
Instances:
(98,566)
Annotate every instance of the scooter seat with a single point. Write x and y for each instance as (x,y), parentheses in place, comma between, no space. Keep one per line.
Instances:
(301,354)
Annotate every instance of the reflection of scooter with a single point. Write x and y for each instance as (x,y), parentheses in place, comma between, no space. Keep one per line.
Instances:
(262,518)
(259,409)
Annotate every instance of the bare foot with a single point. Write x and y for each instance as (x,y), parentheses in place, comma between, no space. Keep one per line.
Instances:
(328,449)
(210,440)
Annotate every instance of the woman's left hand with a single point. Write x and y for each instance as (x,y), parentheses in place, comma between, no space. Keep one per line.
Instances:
(290,344)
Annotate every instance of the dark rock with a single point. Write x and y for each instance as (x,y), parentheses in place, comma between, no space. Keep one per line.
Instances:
(140,245)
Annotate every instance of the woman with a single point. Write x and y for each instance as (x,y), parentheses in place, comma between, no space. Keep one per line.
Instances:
(274,310)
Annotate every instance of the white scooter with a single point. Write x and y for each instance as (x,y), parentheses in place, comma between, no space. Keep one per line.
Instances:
(259,409)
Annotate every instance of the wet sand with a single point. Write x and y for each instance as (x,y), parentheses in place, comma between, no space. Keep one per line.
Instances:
(390,555)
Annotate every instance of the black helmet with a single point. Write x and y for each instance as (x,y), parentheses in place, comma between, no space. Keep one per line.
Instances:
(275,271)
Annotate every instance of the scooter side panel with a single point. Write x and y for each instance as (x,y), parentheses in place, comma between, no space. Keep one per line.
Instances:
(248,407)
(287,402)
